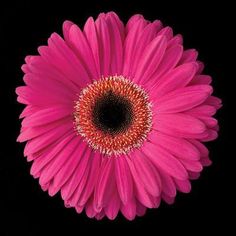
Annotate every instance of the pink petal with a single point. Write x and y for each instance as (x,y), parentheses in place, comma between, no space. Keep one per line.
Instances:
(139,189)
(167,32)
(214,101)
(46,116)
(168,185)
(201,79)
(164,160)
(132,21)
(92,179)
(58,161)
(44,158)
(206,161)
(169,200)
(212,135)
(103,183)
(113,206)
(148,174)
(116,31)
(64,60)
(200,67)
(140,209)
(69,188)
(74,199)
(168,62)
(66,171)
(183,185)
(190,165)
(202,110)
(144,39)
(90,33)
(150,59)
(66,29)
(46,139)
(89,209)
(28,110)
(210,122)
(188,56)
(178,124)
(176,78)
(45,70)
(28,133)
(130,43)
(79,209)
(179,147)
(194,175)
(104,42)
(177,39)
(129,209)
(123,179)
(79,44)
(183,99)
(100,215)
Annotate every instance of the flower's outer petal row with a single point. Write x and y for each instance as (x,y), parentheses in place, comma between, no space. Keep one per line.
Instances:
(183,107)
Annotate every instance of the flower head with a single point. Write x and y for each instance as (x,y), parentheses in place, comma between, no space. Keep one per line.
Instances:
(116,116)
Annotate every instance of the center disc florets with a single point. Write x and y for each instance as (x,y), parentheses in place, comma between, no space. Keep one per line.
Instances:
(113,114)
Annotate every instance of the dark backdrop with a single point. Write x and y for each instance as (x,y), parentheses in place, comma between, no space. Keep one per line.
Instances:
(206,26)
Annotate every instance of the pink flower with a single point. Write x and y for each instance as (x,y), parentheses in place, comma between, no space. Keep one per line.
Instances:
(116,116)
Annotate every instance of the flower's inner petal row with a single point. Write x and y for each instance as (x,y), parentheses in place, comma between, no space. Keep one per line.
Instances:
(113,114)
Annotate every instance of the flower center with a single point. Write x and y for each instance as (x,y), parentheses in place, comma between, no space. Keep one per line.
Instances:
(113,115)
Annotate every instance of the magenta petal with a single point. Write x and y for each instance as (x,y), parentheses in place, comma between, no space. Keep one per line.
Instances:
(42,159)
(140,209)
(188,56)
(92,179)
(169,200)
(79,43)
(164,160)
(183,185)
(145,39)
(178,124)
(179,147)
(116,30)
(66,171)
(66,28)
(190,165)
(183,99)
(104,42)
(139,189)
(103,181)
(132,22)
(201,79)
(47,115)
(123,179)
(175,79)
(69,188)
(112,208)
(129,209)
(147,173)
(168,185)
(150,59)
(44,140)
(130,43)
(58,162)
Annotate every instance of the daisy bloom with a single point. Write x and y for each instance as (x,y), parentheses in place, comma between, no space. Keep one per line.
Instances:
(116,115)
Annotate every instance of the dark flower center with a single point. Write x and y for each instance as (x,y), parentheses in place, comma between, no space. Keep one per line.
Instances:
(112,113)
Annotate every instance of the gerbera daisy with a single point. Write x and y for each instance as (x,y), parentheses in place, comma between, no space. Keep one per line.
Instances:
(116,116)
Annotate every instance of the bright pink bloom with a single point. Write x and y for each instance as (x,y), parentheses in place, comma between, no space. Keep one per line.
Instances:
(116,115)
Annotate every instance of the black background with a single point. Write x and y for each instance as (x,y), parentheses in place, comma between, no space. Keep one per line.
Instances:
(26,209)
